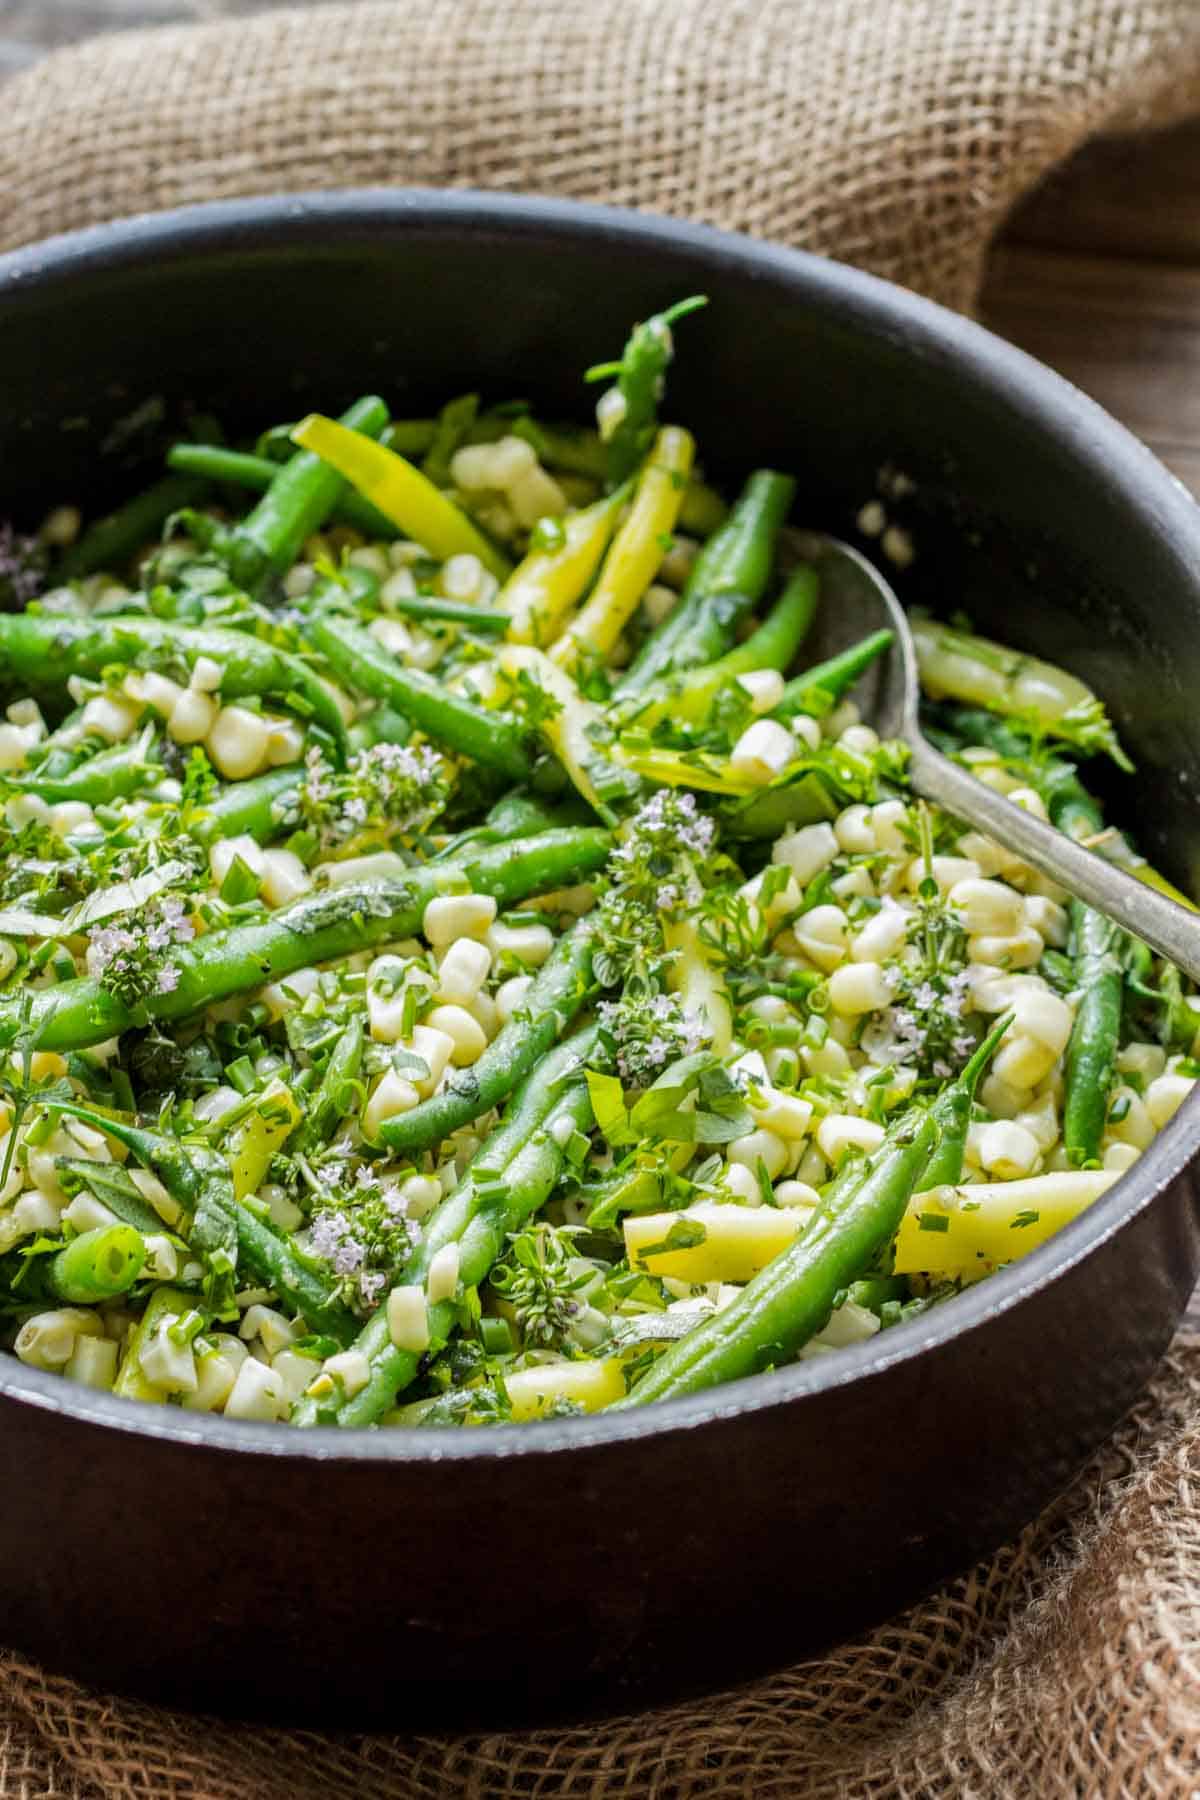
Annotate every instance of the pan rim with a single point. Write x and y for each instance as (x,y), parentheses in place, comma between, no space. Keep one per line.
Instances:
(1014,381)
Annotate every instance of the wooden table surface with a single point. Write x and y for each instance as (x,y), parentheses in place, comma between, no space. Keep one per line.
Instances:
(1098,274)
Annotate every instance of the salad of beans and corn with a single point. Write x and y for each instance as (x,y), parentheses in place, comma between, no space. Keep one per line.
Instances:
(460,964)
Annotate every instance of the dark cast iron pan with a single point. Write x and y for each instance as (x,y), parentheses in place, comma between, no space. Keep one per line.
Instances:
(600,1563)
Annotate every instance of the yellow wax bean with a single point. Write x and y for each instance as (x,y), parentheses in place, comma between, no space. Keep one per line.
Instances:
(593,1385)
(694,979)
(949,1229)
(541,590)
(984,673)
(671,769)
(164,1303)
(636,552)
(569,731)
(738,1240)
(400,491)
(265,1131)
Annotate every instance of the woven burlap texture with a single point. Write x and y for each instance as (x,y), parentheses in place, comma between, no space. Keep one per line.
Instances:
(896,134)
(893,133)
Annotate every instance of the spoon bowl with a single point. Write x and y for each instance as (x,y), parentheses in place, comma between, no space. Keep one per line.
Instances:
(856,600)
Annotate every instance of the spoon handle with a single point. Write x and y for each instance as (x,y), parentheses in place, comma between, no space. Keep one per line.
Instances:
(1170,929)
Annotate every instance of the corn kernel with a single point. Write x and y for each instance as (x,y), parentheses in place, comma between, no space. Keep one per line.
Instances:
(1014,950)
(237,742)
(441,1281)
(987,906)
(785,1114)
(257,1393)
(453,916)
(881,936)
(759,1146)
(109,718)
(192,717)
(47,1341)
(807,851)
(858,988)
(466,1033)
(511,996)
(1134,1124)
(1165,1095)
(764,688)
(742,1182)
(1043,1015)
(352,1368)
(93,1361)
(464,968)
(1006,1149)
(855,830)
(840,1132)
(1022,1060)
(392,1094)
(408,1319)
(524,944)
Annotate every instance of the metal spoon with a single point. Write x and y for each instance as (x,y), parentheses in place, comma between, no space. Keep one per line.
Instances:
(855,600)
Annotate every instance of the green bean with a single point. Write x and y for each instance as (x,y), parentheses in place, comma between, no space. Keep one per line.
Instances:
(1068,802)
(64,749)
(407,437)
(781,1308)
(238,469)
(297,503)
(492,738)
(640,374)
(1090,1061)
(511,1177)
(108,543)
(559,991)
(43,650)
(771,646)
(818,690)
(451,612)
(181,1172)
(97,1265)
(109,775)
(734,566)
(520,813)
(877,1291)
(316,928)
(945,1165)
(382,725)
(1091,1055)
(258,807)
(324,1111)
(453,423)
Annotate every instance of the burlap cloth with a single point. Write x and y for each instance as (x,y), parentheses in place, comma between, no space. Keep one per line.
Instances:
(896,134)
